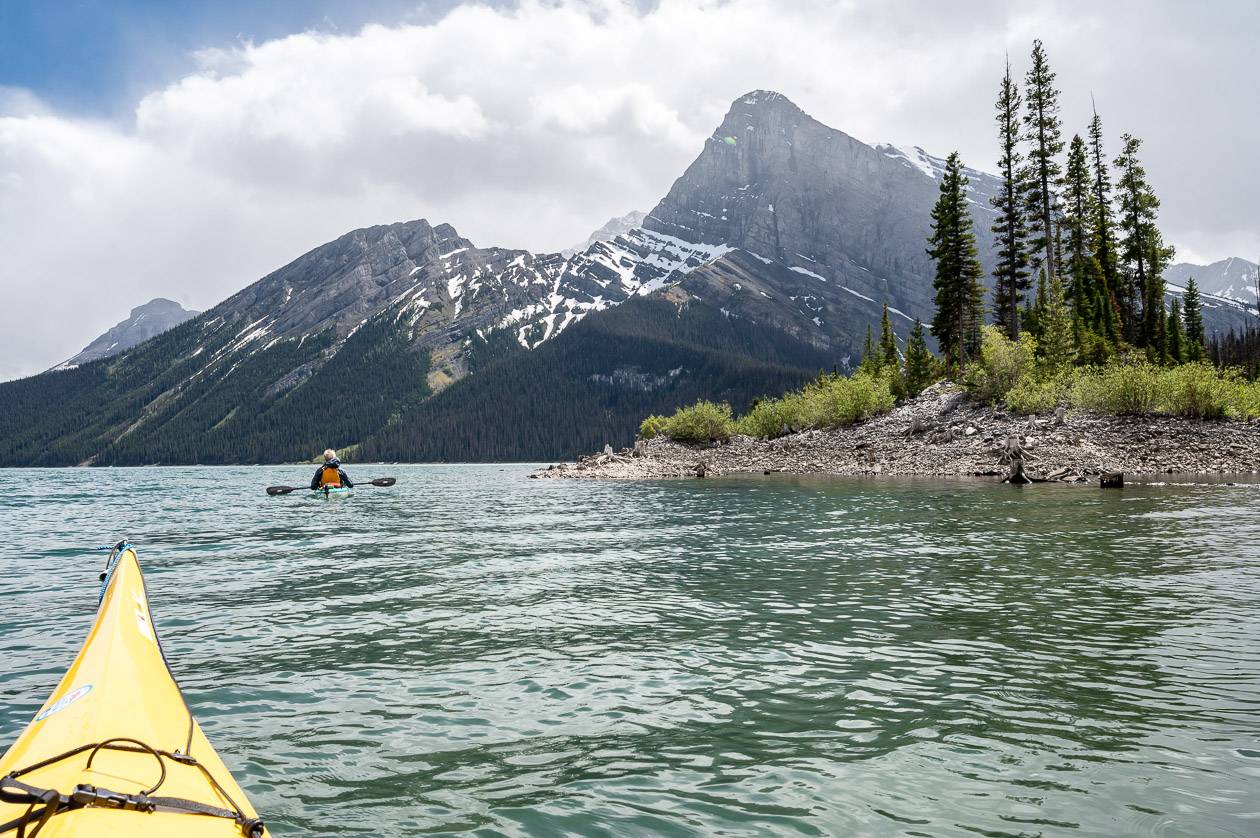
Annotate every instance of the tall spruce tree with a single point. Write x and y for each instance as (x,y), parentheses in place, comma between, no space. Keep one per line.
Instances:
(1141,250)
(870,355)
(1104,227)
(888,355)
(1078,219)
(1154,309)
(1176,334)
(1035,311)
(1058,339)
(1195,347)
(1042,132)
(959,294)
(1011,274)
(920,365)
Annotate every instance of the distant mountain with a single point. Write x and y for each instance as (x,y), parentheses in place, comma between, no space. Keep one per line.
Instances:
(1233,278)
(612,228)
(767,261)
(152,318)
(327,350)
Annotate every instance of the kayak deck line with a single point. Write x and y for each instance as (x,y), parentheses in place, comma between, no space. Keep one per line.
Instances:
(119,703)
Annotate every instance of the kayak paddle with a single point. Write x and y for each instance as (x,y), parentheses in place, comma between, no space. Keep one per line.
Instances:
(284,490)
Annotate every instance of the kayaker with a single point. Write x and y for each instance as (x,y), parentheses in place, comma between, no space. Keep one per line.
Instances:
(331,474)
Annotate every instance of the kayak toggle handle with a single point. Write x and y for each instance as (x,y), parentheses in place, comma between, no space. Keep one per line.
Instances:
(141,748)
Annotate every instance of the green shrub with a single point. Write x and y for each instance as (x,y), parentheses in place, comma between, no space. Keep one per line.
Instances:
(1193,391)
(770,417)
(702,422)
(652,426)
(1120,388)
(1245,401)
(843,401)
(1002,364)
(827,402)
(1196,391)
(1038,394)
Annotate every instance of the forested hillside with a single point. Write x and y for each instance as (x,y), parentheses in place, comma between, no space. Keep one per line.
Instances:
(592,385)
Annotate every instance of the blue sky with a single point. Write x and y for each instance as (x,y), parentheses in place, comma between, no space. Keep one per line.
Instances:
(184,149)
(98,56)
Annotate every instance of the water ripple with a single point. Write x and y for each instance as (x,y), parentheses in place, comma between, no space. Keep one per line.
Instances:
(475,651)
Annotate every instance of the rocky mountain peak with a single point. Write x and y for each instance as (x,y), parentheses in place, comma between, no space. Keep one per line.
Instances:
(777,183)
(145,321)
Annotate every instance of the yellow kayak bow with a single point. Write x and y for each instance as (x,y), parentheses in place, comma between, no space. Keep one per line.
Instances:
(114,750)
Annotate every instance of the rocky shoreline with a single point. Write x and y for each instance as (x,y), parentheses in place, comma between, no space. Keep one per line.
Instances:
(944,433)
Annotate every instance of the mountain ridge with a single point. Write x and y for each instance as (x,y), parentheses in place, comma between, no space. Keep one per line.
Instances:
(778,245)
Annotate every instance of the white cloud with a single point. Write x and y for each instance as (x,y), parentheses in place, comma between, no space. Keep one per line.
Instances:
(529,126)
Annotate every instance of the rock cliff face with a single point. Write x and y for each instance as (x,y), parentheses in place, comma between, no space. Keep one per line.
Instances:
(778,184)
(152,318)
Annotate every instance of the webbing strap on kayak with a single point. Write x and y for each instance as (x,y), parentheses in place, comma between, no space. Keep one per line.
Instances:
(42,804)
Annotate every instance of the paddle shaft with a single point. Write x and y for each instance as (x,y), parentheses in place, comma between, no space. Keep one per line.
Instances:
(284,490)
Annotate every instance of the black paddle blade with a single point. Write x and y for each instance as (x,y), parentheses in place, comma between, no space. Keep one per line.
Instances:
(279,490)
(384,481)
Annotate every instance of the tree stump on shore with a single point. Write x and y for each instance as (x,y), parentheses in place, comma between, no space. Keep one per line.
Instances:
(1013,454)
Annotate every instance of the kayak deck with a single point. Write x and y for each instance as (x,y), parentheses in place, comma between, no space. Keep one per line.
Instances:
(119,694)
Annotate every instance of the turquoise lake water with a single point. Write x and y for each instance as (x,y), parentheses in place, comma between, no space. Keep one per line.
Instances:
(474,651)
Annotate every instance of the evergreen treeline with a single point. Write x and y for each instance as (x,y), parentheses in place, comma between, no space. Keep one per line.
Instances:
(1237,349)
(1084,226)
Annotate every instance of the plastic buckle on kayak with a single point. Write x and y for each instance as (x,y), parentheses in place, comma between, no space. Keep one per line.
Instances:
(182,759)
(86,795)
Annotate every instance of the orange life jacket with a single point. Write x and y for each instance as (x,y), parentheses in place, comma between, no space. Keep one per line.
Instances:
(330,477)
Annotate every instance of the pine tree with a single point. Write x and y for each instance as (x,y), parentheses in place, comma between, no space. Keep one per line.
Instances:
(1035,311)
(1194,347)
(920,365)
(1042,132)
(1176,337)
(888,355)
(1058,341)
(1078,219)
(1011,274)
(1154,310)
(1104,226)
(959,294)
(1141,248)
(870,356)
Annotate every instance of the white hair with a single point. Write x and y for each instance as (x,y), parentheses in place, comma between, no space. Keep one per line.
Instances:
(329,454)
